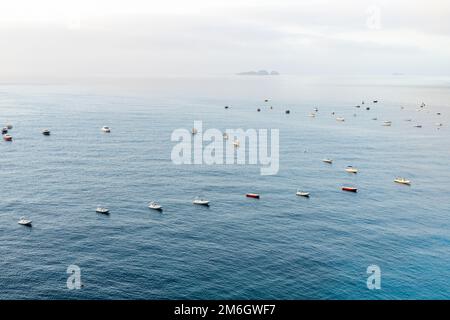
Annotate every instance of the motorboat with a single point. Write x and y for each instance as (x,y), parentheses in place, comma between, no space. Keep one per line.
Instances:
(302,194)
(288,111)
(340,119)
(7,137)
(387,123)
(236,143)
(330,161)
(375,101)
(349,189)
(402,181)
(25,222)
(259,109)
(201,202)
(316,109)
(312,114)
(350,169)
(106,129)
(226,107)
(418,126)
(155,206)
(225,136)
(9,126)
(46,132)
(367,108)
(102,210)
(358,107)
(4,130)
(194,131)
(252,195)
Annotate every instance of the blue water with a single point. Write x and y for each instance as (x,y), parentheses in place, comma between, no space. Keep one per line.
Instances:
(279,247)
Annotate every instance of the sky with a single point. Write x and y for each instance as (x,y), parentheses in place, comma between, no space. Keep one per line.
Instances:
(142,38)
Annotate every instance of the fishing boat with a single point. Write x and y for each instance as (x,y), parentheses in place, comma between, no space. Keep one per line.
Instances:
(155,206)
(302,194)
(25,222)
(330,161)
(349,189)
(46,132)
(7,137)
(201,202)
(340,119)
(402,181)
(350,169)
(106,129)
(252,195)
(102,210)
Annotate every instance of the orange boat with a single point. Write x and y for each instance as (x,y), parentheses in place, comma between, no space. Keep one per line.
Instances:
(350,189)
(252,195)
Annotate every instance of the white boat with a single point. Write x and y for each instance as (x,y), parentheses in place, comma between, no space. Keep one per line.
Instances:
(24,222)
(387,123)
(106,129)
(340,119)
(46,132)
(402,181)
(350,169)
(302,194)
(236,143)
(102,210)
(312,114)
(155,206)
(327,160)
(200,201)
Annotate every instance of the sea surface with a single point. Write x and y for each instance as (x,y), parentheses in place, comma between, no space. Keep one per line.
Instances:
(278,247)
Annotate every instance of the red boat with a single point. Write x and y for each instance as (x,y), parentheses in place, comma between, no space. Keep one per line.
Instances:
(350,189)
(7,137)
(252,195)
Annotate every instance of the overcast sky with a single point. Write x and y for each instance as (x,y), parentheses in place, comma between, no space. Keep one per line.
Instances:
(180,37)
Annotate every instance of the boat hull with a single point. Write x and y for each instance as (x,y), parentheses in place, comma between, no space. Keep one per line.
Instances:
(349,189)
(252,195)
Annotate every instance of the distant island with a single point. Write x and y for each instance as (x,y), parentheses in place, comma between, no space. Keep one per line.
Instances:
(258,73)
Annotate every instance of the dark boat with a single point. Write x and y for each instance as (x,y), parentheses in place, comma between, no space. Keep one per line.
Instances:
(4,130)
(46,132)
(258,109)
(252,195)
(288,111)
(349,189)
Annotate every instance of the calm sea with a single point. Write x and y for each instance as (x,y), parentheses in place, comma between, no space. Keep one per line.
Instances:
(279,247)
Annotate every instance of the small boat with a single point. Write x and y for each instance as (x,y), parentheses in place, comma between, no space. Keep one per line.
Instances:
(302,194)
(438,113)
(316,109)
(194,131)
(362,102)
(252,195)
(288,111)
(226,107)
(375,119)
(102,210)
(201,202)
(418,126)
(402,181)
(358,107)
(312,114)
(340,119)
(106,129)
(330,161)
(225,136)
(155,206)
(7,137)
(258,109)
(333,113)
(4,130)
(423,105)
(367,108)
(387,123)
(350,169)
(408,120)
(375,101)
(266,100)
(25,222)
(236,143)
(46,132)
(439,124)
(349,189)
(9,126)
